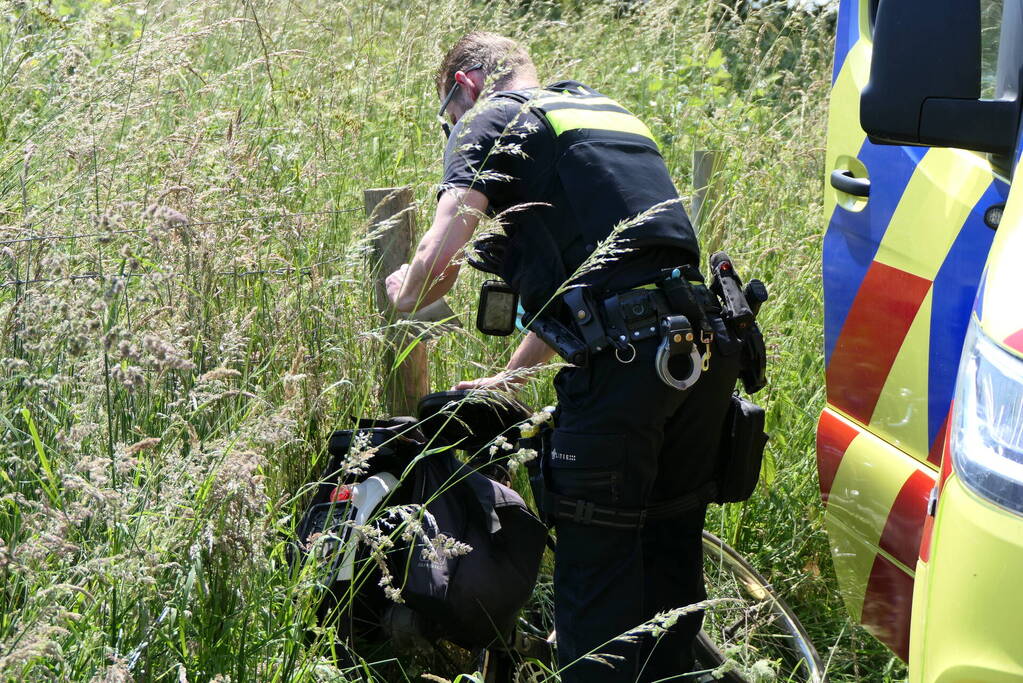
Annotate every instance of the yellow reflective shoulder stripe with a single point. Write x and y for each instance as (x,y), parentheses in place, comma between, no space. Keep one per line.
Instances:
(568,117)
(544,100)
(562,120)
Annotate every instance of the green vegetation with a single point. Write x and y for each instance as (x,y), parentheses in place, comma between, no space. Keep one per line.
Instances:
(167,379)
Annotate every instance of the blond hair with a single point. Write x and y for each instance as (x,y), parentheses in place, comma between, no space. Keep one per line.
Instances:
(501,58)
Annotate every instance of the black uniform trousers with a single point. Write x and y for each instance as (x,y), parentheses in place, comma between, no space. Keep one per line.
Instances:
(625,439)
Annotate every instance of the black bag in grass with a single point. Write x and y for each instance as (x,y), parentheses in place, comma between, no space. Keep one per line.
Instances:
(387,445)
(439,510)
(472,596)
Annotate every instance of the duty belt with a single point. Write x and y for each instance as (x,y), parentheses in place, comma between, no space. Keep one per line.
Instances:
(673,307)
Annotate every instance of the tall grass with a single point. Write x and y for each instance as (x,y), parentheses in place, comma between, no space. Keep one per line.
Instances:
(169,376)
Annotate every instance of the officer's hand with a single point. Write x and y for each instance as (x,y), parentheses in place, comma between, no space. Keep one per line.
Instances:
(499,382)
(394,282)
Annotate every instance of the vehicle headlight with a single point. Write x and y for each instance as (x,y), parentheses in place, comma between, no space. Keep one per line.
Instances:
(987,426)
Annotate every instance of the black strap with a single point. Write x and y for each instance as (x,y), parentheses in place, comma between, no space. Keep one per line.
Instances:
(586,318)
(585,512)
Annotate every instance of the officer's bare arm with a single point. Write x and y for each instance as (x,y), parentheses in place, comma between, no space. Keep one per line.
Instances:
(432,273)
(531,352)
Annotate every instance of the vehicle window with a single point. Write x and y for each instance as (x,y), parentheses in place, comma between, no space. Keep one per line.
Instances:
(1010,51)
(990,30)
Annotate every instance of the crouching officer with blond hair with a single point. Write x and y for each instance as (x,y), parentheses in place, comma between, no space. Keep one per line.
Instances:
(600,248)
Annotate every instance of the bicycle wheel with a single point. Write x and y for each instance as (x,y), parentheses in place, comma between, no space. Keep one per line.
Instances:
(752,634)
(526,659)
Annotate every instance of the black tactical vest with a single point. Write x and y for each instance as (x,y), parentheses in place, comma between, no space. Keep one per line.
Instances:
(610,175)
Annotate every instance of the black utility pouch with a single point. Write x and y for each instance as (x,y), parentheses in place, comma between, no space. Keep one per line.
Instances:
(741,452)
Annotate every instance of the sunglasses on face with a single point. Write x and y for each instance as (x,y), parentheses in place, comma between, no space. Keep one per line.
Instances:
(445,126)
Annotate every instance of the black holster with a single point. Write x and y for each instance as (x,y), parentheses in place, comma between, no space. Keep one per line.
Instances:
(753,364)
(564,342)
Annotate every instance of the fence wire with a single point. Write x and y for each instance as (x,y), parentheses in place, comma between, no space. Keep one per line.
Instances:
(287,270)
(302,270)
(225,221)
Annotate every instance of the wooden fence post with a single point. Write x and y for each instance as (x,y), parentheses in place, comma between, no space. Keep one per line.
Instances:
(393,219)
(707,165)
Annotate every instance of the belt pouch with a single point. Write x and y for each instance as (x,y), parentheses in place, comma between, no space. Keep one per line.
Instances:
(584,313)
(741,452)
(682,298)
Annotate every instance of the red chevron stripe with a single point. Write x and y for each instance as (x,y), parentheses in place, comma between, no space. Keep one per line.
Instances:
(905,525)
(888,604)
(946,452)
(934,454)
(873,333)
(1015,340)
(833,438)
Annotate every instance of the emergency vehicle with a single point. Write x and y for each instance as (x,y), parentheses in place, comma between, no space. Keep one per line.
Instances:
(920,445)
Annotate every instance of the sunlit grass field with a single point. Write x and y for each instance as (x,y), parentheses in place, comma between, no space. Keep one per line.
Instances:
(187,310)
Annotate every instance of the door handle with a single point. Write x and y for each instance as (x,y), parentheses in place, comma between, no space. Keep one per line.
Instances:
(843,181)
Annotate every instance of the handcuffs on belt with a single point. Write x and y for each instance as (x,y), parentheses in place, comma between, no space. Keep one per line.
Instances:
(677,339)
(621,319)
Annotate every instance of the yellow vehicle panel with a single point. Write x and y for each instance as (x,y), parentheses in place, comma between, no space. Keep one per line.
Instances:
(967,613)
(972,627)
(999,305)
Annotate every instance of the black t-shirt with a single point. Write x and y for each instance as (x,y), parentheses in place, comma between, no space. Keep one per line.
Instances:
(504,150)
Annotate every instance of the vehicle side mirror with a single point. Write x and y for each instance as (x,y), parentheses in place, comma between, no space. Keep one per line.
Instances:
(925,80)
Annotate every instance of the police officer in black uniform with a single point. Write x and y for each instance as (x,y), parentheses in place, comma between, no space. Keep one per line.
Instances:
(594,231)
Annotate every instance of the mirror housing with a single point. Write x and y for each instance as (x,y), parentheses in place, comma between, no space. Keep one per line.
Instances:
(925,78)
